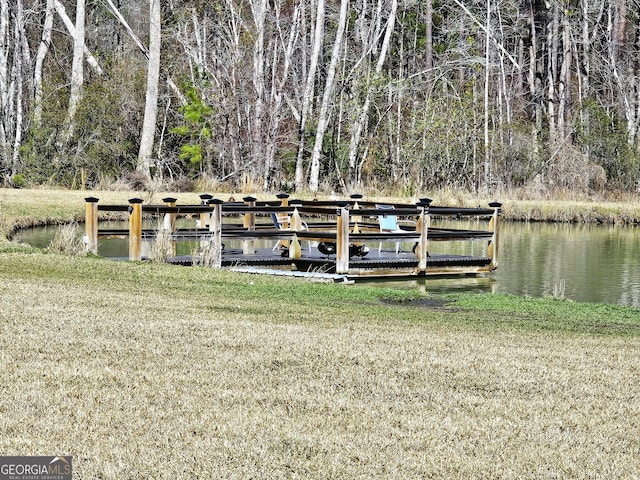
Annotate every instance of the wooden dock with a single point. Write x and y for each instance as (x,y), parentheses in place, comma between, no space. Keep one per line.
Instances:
(336,239)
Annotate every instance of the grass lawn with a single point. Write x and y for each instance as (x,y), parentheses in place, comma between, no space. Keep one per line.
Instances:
(154,371)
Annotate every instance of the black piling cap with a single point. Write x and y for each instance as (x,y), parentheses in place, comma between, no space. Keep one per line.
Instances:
(215,201)
(282,196)
(169,200)
(249,199)
(206,196)
(356,196)
(495,204)
(425,202)
(91,200)
(342,203)
(135,200)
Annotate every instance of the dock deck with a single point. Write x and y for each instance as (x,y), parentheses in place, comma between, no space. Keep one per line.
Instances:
(386,263)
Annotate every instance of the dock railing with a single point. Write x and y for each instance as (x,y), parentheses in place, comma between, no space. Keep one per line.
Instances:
(344,223)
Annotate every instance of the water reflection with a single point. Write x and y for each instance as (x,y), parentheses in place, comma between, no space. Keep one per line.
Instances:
(593,263)
(581,262)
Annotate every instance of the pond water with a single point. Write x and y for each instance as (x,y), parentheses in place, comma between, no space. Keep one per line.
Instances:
(588,263)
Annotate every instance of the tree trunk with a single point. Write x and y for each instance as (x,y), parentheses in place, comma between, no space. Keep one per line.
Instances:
(71,28)
(279,78)
(43,50)
(307,95)
(5,46)
(325,107)
(487,72)
(145,51)
(77,71)
(153,78)
(428,49)
(552,74)
(17,77)
(257,146)
(363,117)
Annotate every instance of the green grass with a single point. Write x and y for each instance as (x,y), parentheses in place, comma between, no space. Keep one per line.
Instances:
(553,315)
(146,370)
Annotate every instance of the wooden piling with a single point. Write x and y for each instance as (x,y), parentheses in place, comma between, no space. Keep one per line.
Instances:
(342,238)
(284,202)
(248,247)
(135,229)
(494,226)
(356,218)
(422,226)
(295,249)
(204,216)
(91,224)
(215,228)
(169,224)
(355,197)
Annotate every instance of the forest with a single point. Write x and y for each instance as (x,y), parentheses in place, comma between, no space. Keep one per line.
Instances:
(401,96)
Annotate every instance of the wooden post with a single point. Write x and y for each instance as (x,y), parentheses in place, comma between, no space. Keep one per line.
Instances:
(169,221)
(169,224)
(284,202)
(356,218)
(250,224)
(215,227)
(135,229)
(494,226)
(296,220)
(203,222)
(295,249)
(91,224)
(422,226)
(342,238)
(355,197)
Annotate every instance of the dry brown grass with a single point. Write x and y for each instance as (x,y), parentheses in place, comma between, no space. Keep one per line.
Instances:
(141,375)
(147,382)
(162,245)
(68,240)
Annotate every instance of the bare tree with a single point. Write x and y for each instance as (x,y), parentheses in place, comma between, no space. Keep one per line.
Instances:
(281,59)
(14,55)
(325,107)
(258,144)
(43,50)
(71,28)
(379,40)
(77,73)
(307,95)
(5,46)
(147,135)
(428,49)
